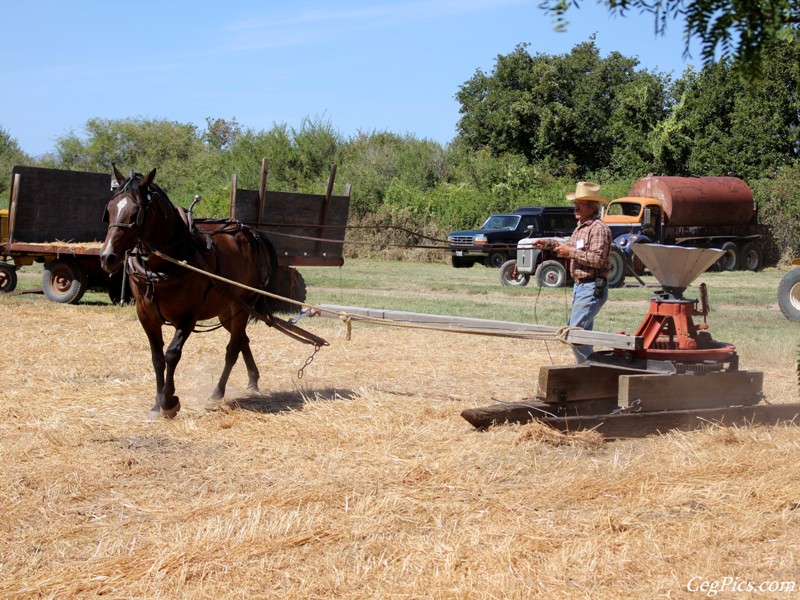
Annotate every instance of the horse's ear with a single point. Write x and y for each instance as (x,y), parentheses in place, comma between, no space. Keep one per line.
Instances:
(118,176)
(149,179)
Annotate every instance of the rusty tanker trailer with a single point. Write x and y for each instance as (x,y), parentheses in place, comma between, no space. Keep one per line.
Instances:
(704,212)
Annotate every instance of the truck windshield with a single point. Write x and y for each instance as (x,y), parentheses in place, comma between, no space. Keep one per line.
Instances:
(501,222)
(627,209)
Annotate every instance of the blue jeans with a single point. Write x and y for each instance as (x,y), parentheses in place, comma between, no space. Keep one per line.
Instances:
(584,309)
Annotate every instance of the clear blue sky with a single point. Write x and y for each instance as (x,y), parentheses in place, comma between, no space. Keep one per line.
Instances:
(362,66)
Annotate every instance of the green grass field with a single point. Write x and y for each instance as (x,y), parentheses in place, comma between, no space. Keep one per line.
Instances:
(743,304)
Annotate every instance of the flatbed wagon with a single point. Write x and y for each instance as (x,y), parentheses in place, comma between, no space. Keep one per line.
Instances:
(55,218)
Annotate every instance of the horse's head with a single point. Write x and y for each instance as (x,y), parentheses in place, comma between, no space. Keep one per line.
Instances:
(127,216)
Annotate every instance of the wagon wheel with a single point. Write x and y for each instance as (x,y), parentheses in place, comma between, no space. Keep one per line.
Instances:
(64,281)
(8,277)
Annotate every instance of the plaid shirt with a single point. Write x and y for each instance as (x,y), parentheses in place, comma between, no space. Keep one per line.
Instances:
(590,245)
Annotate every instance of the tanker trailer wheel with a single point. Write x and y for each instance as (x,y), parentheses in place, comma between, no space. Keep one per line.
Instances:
(730,260)
(616,275)
(64,280)
(551,273)
(510,276)
(752,257)
(789,294)
(8,277)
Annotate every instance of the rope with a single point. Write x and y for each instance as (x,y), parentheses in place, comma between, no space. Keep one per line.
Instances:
(560,334)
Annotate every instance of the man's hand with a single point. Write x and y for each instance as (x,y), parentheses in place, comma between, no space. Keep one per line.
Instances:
(562,250)
(545,243)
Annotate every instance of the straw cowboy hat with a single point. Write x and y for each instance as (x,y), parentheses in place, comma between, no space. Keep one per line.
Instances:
(586,192)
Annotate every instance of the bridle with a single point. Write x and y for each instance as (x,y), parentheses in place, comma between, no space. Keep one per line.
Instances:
(138,222)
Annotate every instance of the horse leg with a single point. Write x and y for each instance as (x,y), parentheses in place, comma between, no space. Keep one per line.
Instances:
(153,331)
(237,343)
(170,403)
(250,363)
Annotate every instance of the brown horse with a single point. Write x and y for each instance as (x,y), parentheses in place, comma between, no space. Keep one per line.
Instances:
(143,223)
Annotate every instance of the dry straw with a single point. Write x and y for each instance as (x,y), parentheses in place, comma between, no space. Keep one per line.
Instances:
(361,480)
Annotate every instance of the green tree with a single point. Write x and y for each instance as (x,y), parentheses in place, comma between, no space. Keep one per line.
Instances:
(140,145)
(720,125)
(371,162)
(574,113)
(221,134)
(10,154)
(732,29)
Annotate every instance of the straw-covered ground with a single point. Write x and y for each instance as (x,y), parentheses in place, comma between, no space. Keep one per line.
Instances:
(361,480)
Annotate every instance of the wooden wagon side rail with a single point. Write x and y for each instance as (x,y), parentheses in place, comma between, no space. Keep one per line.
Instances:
(305,229)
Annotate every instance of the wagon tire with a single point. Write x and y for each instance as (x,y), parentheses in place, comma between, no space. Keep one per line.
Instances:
(64,281)
(789,295)
(551,274)
(8,277)
(751,257)
(507,274)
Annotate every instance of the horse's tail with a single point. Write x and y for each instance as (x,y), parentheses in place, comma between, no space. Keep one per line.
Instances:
(276,279)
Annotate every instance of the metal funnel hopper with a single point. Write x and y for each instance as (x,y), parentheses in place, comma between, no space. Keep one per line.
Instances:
(676,267)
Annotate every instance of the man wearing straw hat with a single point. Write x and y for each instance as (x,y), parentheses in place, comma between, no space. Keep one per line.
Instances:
(587,250)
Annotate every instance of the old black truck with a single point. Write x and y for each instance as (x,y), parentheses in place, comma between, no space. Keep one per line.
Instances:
(495,242)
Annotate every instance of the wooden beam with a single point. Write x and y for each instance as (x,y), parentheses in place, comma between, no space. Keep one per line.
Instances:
(323,219)
(12,210)
(234,185)
(262,190)
(686,391)
(497,414)
(635,425)
(577,382)
(575,336)
(525,412)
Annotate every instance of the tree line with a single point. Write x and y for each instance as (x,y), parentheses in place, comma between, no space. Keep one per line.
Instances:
(527,131)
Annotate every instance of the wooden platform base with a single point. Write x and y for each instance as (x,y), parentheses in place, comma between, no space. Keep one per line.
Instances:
(635,425)
(619,403)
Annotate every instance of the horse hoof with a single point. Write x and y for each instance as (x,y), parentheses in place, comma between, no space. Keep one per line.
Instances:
(216,396)
(171,413)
